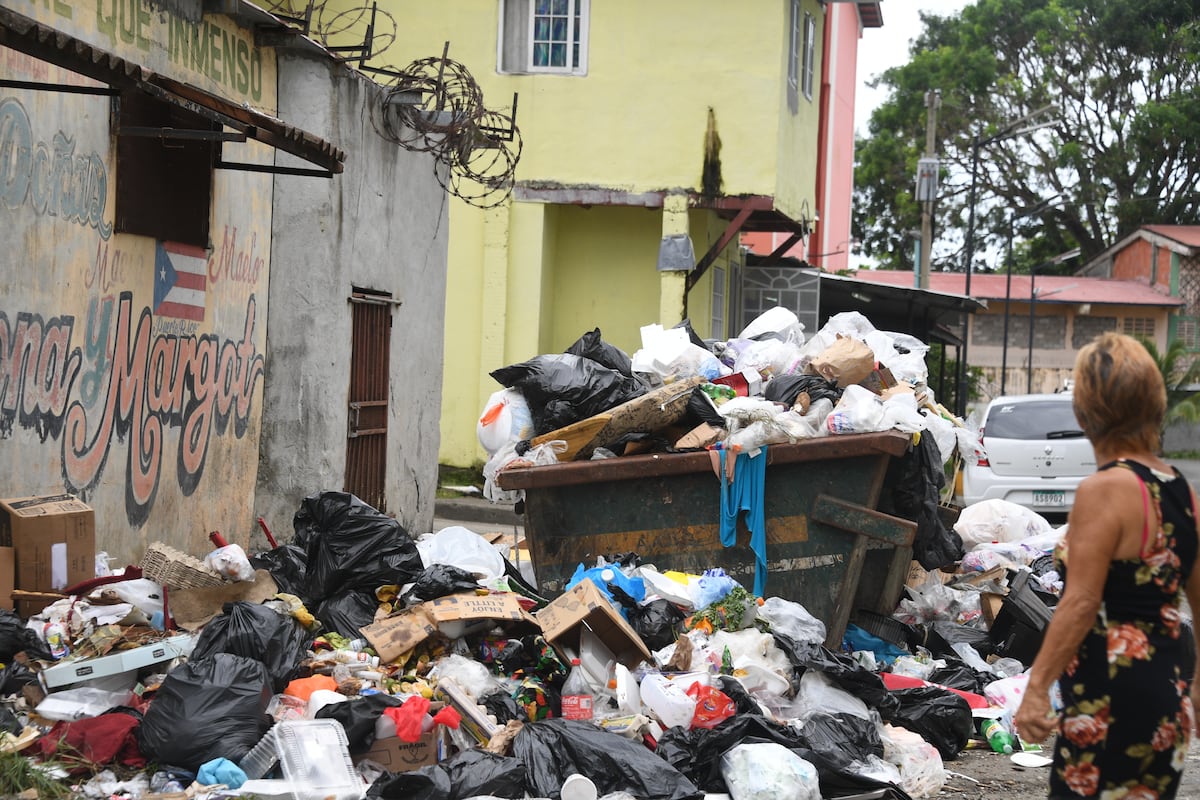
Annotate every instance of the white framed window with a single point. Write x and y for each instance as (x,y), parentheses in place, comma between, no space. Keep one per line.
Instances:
(717,329)
(1139,326)
(810,54)
(794,48)
(543,36)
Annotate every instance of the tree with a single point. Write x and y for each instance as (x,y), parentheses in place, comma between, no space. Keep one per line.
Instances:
(1123,150)
(1180,370)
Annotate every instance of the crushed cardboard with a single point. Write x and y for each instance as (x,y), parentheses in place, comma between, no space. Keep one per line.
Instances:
(585,605)
(192,609)
(396,635)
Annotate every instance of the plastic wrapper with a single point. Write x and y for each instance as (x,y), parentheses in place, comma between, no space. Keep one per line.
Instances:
(768,771)
(352,546)
(555,748)
(775,323)
(669,355)
(922,773)
(792,619)
(712,705)
(208,708)
(818,695)
(230,562)
(255,631)
(542,455)
(348,613)
(941,717)
(562,389)
(506,418)
(859,411)
(592,345)
(772,358)
(468,673)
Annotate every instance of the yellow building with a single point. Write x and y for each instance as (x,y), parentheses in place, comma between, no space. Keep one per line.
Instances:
(641,123)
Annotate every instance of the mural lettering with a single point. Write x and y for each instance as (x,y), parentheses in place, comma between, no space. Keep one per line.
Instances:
(233,263)
(50,177)
(128,19)
(142,383)
(228,59)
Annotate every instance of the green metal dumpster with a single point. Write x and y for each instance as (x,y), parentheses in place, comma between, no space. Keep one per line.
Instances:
(828,548)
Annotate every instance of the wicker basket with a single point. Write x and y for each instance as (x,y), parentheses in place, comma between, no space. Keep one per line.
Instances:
(170,567)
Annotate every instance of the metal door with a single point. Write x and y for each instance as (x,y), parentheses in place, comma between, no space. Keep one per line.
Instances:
(366,447)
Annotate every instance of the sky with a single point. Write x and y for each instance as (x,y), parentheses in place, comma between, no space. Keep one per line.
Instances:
(881,48)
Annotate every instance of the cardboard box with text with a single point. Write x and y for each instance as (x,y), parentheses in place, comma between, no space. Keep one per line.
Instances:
(53,540)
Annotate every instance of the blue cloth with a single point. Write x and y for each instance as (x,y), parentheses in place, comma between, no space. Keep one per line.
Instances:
(859,639)
(221,770)
(745,493)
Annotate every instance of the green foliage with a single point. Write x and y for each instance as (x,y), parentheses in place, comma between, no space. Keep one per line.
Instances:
(19,774)
(1179,369)
(1124,149)
(943,377)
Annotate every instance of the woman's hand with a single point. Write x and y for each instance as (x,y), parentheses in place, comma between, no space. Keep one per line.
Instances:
(1195,705)
(1035,720)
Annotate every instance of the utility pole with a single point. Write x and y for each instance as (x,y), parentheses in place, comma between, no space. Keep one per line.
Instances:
(927,179)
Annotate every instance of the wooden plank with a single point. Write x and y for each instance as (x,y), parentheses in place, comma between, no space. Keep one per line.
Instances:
(854,518)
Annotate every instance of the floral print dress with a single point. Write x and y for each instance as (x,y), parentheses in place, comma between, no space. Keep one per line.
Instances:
(1128,717)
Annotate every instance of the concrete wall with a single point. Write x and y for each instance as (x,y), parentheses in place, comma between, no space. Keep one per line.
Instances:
(151,415)
(381,225)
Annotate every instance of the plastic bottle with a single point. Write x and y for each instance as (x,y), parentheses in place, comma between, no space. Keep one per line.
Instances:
(999,739)
(577,699)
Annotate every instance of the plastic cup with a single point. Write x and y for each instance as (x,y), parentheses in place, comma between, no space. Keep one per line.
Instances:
(578,787)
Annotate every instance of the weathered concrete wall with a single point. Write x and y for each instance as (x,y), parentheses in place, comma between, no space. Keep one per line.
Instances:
(146,408)
(381,225)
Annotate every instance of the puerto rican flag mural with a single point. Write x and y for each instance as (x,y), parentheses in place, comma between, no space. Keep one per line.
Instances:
(180,278)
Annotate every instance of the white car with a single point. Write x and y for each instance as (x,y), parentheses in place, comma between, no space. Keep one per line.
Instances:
(1034,454)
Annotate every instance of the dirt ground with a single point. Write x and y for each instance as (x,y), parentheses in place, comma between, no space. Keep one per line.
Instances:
(1000,779)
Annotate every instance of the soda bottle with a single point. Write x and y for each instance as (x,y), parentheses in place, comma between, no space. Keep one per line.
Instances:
(577,699)
(999,739)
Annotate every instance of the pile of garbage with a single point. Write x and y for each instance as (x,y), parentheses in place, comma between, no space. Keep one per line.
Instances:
(357,661)
(768,385)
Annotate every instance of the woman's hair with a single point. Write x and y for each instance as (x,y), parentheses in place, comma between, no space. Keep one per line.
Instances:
(1119,396)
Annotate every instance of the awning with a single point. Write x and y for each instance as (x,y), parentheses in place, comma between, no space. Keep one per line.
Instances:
(28,36)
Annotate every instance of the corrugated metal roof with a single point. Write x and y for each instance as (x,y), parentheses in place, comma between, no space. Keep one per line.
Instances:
(1184,234)
(1051,288)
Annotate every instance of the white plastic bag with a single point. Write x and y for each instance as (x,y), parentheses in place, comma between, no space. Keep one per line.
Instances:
(230,562)
(818,695)
(781,322)
(463,548)
(900,413)
(768,771)
(998,521)
(505,418)
(669,355)
(543,454)
(921,771)
(859,411)
(770,357)
(792,620)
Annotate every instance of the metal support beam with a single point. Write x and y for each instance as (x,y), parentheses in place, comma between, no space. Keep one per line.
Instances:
(731,230)
(787,245)
(272,169)
(181,133)
(40,86)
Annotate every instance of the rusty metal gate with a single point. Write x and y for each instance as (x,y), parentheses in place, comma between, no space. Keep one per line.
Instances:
(366,448)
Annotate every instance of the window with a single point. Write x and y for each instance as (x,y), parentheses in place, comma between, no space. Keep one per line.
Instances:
(543,36)
(717,329)
(1188,331)
(1139,326)
(810,52)
(165,157)
(793,66)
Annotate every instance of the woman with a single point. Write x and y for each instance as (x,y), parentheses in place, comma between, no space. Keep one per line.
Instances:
(1114,643)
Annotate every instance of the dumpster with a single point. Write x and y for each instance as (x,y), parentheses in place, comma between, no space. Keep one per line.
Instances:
(828,548)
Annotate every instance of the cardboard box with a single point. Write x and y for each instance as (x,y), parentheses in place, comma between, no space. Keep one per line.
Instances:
(7,577)
(453,615)
(53,539)
(585,605)
(86,669)
(396,755)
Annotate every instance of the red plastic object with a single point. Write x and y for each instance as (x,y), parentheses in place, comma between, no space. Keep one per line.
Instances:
(304,687)
(408,718)
(449,717)
(712,706)
(262,523)
(894,681)
(217,539)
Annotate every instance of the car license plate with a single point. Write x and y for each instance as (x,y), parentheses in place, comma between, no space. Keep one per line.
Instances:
(1049,498)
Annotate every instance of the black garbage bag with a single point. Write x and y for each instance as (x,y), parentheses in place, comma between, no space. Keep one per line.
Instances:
(786,388)
(9,722)
(941,717)
(735,691)
(288,567)
(562,389)
(208,708)
(592,346)
(471,773)
(348,612)
(16,638)
(657,622)
(842,735)
(358,717)
(439,580)
(693,337)
(353,546)
(957,675)
(503,707)
(917,479)
(552,749)
(255,631)
(701,410)
(840,668)
(14,676)
(945,634)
